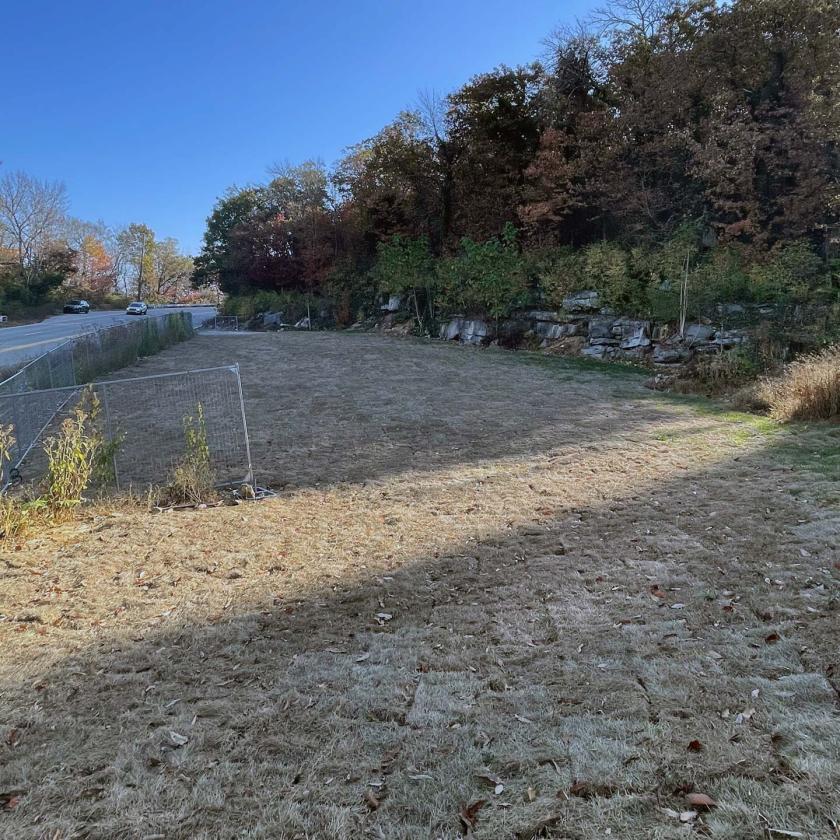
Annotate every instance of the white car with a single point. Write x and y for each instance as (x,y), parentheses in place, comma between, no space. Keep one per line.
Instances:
(136,308)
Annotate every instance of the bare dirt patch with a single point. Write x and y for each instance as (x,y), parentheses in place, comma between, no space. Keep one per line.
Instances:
(486,578)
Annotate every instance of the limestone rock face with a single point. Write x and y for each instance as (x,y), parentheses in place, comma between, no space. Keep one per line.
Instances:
(585,301)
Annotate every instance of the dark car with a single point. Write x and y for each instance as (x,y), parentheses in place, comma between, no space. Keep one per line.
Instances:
(78,307)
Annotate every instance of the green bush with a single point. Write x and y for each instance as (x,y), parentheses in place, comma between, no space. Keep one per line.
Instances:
(353,291)
(489,278)
(556,273)
(793,273)
(293,305)
(72,454)
(405,266)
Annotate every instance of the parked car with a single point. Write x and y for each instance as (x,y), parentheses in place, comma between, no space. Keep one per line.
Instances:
(78,307)
(137,307)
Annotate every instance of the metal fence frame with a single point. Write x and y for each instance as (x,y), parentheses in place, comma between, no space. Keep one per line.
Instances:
(60,397)
(222,322)
(38,376)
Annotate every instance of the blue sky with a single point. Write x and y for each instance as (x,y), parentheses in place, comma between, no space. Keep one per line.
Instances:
(148,110)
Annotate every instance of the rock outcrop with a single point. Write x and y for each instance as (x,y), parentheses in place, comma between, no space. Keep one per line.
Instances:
(598,333)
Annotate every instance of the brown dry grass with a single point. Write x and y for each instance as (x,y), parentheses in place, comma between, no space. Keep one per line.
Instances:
(477,569)
(808,389)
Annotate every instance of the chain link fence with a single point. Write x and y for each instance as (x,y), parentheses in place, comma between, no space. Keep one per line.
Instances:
(228,323)
(32,397)
(145,422)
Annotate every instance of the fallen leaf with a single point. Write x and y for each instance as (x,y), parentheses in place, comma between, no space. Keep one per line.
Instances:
(363,657)
(371,801)
(469,813)
(588,790)
(522,719)
(530,795)
(688,816)
(657,591)
(700,800)
(695,746)
(11,799)
(772,638)
(677,606)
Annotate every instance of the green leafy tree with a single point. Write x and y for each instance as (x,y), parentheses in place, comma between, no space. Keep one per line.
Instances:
(405,266)
(488,278)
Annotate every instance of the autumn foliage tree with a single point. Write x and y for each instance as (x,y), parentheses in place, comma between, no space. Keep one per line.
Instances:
(655,118)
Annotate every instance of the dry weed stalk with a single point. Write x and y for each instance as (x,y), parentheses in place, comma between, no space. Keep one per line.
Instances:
(808,389)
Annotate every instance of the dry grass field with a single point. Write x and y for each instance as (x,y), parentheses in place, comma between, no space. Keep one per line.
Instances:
(496,595)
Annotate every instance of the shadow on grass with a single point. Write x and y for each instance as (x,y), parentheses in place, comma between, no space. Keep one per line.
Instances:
(589,647)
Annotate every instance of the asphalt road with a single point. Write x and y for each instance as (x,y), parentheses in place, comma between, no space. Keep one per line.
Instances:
(18,344)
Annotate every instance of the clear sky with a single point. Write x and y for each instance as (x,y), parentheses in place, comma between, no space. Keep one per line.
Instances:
(149,109)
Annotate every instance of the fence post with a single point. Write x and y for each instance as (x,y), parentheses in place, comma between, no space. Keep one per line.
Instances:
(250,478)
(50,370)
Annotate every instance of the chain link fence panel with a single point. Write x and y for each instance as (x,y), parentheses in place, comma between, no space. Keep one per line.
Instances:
(144,422)
(228,323)
(79,360)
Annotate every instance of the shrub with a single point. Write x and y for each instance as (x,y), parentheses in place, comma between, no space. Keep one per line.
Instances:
(72,454)
(192,480)
(75,456)
(14,517)
(489,277)
(723,371)
(607,269)
(293,305)
(793,273)
(557,273)
(354,293)
(808,389)
(405,266)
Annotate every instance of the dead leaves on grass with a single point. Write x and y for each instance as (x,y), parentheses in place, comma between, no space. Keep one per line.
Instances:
(700,801)
(589,790)
(492,780)
(10,799)
(468,815)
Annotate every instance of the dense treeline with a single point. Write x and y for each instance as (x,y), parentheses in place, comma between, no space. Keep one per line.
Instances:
(660,141)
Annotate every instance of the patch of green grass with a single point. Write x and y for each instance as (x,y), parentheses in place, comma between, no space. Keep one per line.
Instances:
(744,426)
(575,364)
(813,449)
